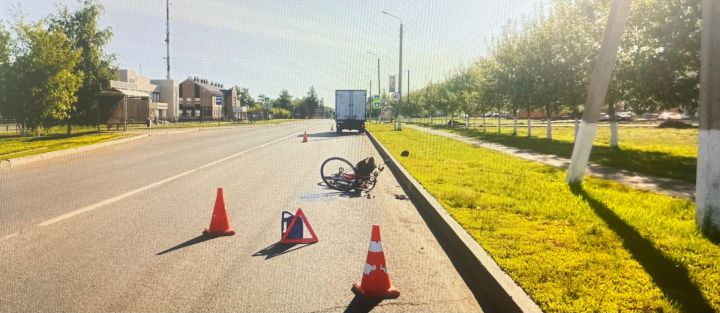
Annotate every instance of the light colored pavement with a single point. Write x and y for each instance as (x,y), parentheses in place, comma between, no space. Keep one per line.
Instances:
(665,186)
(118,229)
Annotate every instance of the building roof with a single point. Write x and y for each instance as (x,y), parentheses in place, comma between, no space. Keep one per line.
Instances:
(124,92)
(213,89)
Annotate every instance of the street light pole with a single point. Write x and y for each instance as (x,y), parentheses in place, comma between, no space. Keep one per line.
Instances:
(378,72)
(398,125)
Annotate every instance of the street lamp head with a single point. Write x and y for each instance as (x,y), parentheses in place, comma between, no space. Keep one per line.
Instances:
(399,19)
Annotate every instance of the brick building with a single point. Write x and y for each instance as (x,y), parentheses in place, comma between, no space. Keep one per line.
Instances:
(202,99)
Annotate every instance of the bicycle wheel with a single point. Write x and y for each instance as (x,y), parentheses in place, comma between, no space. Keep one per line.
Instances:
(338,174)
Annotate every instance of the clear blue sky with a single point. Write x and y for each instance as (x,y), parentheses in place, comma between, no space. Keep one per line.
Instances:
(268,46)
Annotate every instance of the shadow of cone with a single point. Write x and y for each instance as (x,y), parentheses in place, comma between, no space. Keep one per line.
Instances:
(219,225)
(305,137)
(375,283)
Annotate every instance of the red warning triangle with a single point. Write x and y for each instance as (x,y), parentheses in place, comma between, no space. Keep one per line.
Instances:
(312,239)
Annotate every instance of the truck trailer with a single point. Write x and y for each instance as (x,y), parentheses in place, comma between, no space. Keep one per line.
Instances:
(350,110)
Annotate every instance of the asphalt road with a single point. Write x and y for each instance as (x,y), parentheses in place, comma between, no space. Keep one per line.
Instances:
(119,229)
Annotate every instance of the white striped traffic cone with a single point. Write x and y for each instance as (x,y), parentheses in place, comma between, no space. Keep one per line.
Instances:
(375,282)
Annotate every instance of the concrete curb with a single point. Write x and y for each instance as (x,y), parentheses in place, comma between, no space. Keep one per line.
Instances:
(65,152)
(494,290)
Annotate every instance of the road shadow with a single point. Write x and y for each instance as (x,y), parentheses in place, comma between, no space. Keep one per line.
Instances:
(361,305)
(341,194)
(196,240)
(321,135)
(670,276)
(279,248)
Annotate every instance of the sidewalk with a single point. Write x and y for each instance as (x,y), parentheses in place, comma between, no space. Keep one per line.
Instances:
(666,186)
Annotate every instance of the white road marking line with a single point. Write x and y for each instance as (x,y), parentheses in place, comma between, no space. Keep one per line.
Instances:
(155,184)
(9,236)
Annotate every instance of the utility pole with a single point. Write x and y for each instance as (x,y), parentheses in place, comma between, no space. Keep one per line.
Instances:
(167,36)
(398,125)
(369,105)
(408,86)
(378,72)
(400,104)
(125,105)
(378,81)
(707,194)
(599,82)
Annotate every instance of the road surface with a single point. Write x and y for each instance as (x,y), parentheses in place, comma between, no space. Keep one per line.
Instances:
(118,229)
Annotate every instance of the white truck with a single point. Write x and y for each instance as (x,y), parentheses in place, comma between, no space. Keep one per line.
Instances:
(350,110)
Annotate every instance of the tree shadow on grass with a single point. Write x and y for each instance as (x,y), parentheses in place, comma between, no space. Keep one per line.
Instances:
(646,162)
(671,277)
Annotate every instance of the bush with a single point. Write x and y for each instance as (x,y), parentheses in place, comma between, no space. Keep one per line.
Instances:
(280,113)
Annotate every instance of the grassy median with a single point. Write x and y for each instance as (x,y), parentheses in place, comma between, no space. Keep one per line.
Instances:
(670,153)
(599,247)
(19,146)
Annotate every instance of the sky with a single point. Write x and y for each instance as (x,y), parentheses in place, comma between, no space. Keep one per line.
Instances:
(269,45)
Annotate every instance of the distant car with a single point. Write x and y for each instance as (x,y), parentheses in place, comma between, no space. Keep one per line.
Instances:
(604,117)
(624,116)
(670,116)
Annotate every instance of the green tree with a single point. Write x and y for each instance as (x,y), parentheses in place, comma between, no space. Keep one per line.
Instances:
(310,102)
(284,100)
(661,55)
(98,68)
(246,99)
(5,46)
(44,84)
(298,108)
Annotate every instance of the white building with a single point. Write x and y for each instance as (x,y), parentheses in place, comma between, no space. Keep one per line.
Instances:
(139,98)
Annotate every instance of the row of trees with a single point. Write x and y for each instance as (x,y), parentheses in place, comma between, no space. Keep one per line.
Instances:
(52,71)
(285,103)
(544,64)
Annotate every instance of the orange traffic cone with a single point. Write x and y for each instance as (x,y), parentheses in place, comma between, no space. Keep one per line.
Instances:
(219,225)
(305,137)
(375,282)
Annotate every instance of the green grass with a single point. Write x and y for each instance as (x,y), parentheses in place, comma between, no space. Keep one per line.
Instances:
(670,153)
(12,146)
(601,247)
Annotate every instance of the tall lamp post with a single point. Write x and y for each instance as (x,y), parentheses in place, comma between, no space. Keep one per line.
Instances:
(398,125)
(378,71)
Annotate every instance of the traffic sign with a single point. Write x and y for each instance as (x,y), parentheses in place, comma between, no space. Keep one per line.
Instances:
(376,100)
(391,80)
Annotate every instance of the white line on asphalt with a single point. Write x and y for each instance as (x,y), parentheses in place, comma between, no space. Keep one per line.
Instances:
(155,184)
(9,236)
